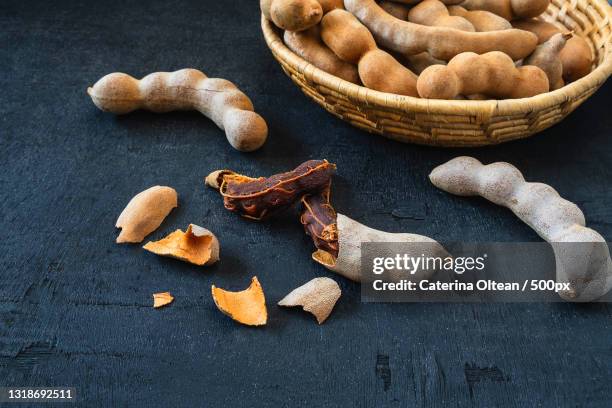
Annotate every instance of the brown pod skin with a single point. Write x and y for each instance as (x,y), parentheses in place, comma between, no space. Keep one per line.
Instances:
(292,15)
(546,56)
(480,19)
(576,57)
(346,36)
(544,30)
(440,42)
(352,42)
(319,220)
(329,5)
(261,197)
(509,9)
(417,63)
(397,10)
(308,45)
(435,13)
(492,74)
(379,70)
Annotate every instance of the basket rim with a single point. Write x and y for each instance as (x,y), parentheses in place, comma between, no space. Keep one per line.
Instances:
(486,108)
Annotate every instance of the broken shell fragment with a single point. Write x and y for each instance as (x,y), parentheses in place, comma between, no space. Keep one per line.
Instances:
(162,299)
(319,296)
(246,307)
(352,234)
(197,245)
(145,212)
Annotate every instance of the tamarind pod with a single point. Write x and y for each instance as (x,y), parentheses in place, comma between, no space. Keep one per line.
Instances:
(351,236)
(319,220)
(329,5)
(556,220)
(543,29)
(576,56)
(435,13)
(412,2)
(509,9)
(480,19)
(352,42)
(418,62)
(308,45)
(292,15)
(187,89)
(397,10)
(547,57)
(441,42)
(258,198)
(493,74)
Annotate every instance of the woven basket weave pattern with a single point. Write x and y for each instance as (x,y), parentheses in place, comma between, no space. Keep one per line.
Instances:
(458,123)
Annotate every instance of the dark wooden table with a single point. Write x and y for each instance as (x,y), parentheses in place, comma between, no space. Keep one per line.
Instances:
(75,308)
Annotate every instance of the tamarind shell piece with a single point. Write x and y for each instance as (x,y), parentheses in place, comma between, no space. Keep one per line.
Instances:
(145,212)
(318,296)
(162,299)
(441,43)
(246,307)
(197,245)
(262,197)
(351,235)
(319,220)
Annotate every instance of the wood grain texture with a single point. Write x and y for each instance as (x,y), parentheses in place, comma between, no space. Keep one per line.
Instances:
(75,308)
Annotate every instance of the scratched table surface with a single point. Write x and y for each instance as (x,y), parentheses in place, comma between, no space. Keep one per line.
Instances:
(75,308)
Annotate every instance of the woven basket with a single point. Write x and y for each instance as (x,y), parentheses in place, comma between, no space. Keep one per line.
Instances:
(457,123)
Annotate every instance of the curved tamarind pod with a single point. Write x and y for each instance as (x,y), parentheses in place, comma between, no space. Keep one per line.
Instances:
(493,74)
(308,45)
(292,15)
(435,13)
(480,19)
(441,42)
(576,57)
(556,220)
(216,98)
(351,235)
(509,9)
(547,57)
(258,198)
(352,42)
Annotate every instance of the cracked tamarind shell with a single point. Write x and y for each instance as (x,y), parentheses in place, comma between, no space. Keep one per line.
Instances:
(247,307)
(318,296)
(197,245)
(145,212)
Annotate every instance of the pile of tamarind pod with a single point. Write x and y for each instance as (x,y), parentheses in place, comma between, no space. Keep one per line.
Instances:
(435,49)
